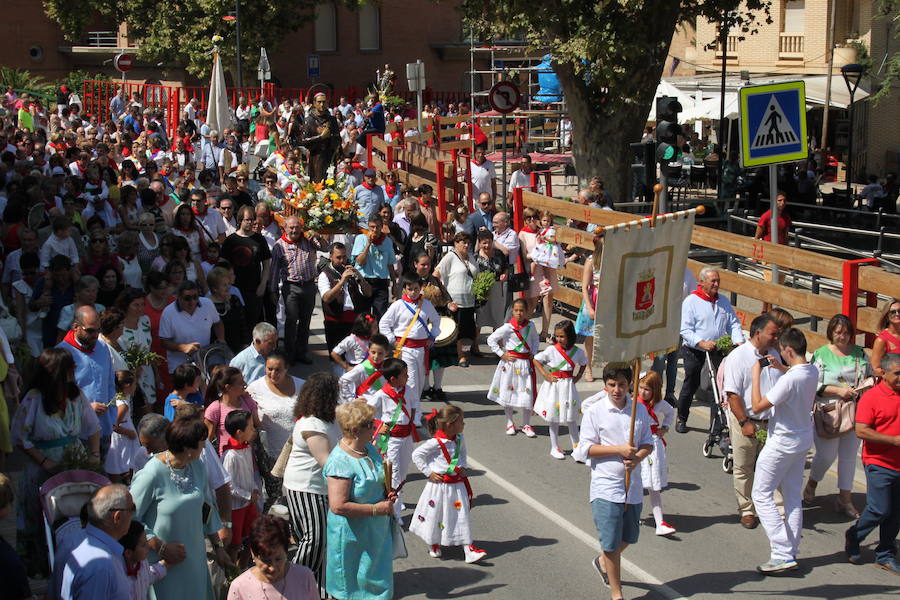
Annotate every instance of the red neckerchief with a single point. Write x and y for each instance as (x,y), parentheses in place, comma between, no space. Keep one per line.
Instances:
(132,571)
(79,167)
(379,238)
(483,160)
(440,434)
(73,341)
(390,190)
(284,238)
(371,379)
(410,300)
(529,229)
(422,204)
(233,444)
(654,427)
(198,213)
(367,186)
(703,295)
(394,395)
(517,329)
(127,257)
(565,355)
(186,229)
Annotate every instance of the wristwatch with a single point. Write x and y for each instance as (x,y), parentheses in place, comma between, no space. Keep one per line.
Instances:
(744,422)
(226,524)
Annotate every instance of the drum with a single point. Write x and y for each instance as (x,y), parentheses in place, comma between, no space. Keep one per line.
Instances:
(449,332)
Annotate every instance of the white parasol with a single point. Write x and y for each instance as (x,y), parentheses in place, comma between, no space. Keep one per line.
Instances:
(218,114)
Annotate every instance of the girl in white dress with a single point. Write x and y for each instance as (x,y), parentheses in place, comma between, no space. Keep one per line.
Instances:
(442,514)
(514,385)
(655,470)
(124,445)
(558,401)
(354,348)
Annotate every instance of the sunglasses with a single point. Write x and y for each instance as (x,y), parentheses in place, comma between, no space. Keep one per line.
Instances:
(242,179)
(190,298)
(894,311)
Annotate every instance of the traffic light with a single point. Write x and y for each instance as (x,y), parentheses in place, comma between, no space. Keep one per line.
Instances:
(667,109)
(643,170)
(668,154)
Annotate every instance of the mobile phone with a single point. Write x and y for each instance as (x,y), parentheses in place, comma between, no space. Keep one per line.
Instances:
(764,361)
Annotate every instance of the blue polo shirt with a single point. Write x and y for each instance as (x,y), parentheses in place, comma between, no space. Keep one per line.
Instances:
(380,257)
(368,202)
(95,376)
(95,569)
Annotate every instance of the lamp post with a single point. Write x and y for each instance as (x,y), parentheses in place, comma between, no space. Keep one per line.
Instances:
(852,73)
(235,17)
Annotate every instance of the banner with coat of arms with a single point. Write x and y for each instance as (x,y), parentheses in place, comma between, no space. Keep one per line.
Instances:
(640,287)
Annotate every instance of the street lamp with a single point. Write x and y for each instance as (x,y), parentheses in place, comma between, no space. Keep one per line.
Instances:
(852,74)
(235,17)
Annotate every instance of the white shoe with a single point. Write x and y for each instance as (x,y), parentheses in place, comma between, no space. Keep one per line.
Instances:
(557,453)
(473,554)
(664,529)
(528,431)
(511,430)
(435,551)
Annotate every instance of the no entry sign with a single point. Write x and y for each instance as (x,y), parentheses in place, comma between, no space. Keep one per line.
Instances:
(123,62)
(504,97)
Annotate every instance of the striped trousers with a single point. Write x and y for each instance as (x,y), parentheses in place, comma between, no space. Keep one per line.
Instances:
(308,513)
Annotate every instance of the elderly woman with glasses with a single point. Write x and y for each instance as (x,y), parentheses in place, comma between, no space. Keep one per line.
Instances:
(359,561)
(271,194)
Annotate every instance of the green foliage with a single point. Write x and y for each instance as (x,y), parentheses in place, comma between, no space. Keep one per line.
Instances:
(887,75)
(138,355)
(724,345)
(23,81)
(482,286)
(181,34)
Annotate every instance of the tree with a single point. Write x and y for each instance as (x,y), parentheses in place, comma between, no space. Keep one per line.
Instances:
(609,56)
(889,72)
(180,33)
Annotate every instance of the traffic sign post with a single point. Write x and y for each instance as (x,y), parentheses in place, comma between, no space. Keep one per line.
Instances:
(415,81)
(773,131)
(313,70)
(504,97)
(123,63)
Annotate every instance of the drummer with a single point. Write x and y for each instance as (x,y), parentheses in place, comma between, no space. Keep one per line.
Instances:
(457,270)
(412,324)
(443,354)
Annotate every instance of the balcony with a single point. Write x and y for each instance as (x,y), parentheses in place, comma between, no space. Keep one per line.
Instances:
(731,46)
(790,46)
(102,39)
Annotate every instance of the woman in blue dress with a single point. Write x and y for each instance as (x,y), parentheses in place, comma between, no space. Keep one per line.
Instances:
(173,500)
(360,548)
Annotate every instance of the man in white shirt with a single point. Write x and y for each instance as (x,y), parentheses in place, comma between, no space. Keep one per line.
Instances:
(190,110)
(706,315)
(186,325)
(521,177)
(605,432)
(484,176)
(505,238)
(206,214)
(781,462)
(743,423)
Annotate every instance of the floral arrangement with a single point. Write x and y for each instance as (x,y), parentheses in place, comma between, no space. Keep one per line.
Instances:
(327,205)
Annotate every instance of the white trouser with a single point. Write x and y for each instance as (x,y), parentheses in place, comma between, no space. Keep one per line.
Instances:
(399,452)
(776,469)
(843,447)
(415,364)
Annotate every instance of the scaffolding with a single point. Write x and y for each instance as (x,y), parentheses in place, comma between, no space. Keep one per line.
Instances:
(549,128)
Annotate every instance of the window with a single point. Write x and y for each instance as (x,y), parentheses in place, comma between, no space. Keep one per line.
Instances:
(794,16)
(369,28)
(325,28)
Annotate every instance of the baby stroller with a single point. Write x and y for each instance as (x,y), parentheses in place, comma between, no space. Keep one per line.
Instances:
(718,434)
(210,356)
(62,497)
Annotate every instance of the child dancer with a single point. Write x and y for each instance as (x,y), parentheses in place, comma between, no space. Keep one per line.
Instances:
(238,462)
(514,384)
(141,574)
(365,379)
(546,257)
(395,417)
(354,348)
(442,514)
(655,472)
(124,446)
(412,324)
(557,402)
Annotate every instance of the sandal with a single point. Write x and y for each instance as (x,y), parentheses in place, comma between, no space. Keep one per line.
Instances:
(463,362)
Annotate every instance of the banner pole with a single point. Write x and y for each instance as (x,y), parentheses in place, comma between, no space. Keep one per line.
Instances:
(636,373)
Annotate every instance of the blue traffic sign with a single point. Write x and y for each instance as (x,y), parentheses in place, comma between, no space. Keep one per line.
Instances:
(312,66)
(773,123)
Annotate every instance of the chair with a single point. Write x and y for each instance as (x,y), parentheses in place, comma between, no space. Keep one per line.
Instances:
(698,176)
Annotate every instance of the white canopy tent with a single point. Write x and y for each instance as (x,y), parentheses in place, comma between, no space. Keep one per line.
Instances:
(666,88)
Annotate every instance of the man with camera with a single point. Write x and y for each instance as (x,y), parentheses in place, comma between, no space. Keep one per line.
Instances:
(743,422)
(294,268)
(345,294)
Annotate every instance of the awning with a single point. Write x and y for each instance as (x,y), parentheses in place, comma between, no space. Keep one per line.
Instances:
(711,109)
(840,97)
(667,89)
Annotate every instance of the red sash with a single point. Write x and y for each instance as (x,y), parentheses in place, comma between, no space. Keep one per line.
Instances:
(563,374)
(371,379)
(457,476)
(562,353)
(421,343)
(890,341)
(398,430)
(654,427)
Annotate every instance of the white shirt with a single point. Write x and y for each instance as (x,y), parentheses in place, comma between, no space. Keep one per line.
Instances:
(303,472)
(213,222)
(509,240)
(458,276)
(429,458)
(109,216)
(521,179)
(607,425)
(54,246)
(240,465)
(792,398)
(180,327)
(216,475)
(482,175)
(704,320)
(385,406)
(350,381)
(353,349)
(739,379)
(276,413)
(396,319)
(324,286)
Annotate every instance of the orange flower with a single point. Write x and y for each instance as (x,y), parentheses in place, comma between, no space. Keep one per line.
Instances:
(319,187)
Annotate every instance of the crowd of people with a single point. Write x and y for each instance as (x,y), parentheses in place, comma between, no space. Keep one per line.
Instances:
(154,301)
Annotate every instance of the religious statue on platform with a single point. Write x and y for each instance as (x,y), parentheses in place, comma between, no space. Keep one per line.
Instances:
(321,136)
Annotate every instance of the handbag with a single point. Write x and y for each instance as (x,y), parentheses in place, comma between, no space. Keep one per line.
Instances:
(282,460)
(836,419)
(519,282)
(398,540)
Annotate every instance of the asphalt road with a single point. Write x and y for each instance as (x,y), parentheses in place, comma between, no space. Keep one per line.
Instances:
(531,515)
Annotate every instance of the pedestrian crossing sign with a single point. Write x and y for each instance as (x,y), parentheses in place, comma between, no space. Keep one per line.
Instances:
(773,123)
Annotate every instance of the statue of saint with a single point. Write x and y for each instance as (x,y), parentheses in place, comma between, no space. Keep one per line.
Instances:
(321,136)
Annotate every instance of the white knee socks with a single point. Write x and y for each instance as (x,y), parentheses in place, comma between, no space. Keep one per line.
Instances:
(509,416)
(554,436)
(510,411)
(656,506)
(573,433)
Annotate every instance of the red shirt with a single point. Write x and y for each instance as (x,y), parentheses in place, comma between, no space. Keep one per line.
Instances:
(784,221)
(879,408)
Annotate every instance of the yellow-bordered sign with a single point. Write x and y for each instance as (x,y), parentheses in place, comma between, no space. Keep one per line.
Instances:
(773,123)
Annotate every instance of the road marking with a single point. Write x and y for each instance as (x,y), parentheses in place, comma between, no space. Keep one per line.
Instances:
(573,529)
